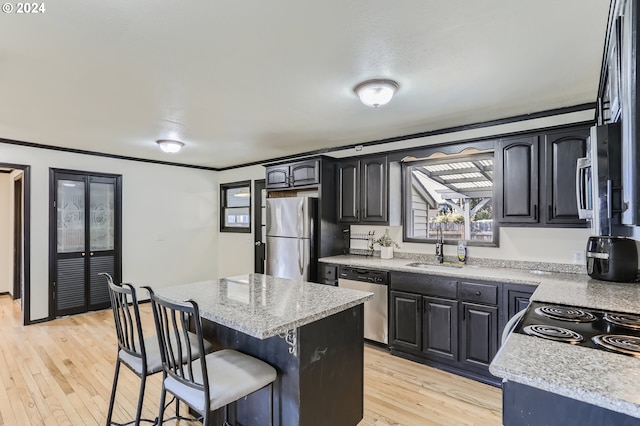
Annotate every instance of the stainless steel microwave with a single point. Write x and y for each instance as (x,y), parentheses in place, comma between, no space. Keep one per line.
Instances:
(599,180)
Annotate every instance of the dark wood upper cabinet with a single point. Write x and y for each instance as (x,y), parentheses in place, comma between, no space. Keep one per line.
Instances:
(348,191)
(374,190)
(277,177)
(620,74)
(535,178)
(517,174)
(562,150)
(364,191)
(302,173)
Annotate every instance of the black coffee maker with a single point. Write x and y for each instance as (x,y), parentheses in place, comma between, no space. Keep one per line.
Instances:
(612,258)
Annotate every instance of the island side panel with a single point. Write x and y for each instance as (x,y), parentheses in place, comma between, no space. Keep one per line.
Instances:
(322,384)
(254,410)
(331,369)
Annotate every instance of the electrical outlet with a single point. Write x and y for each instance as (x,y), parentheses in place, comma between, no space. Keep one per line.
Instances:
(578,257)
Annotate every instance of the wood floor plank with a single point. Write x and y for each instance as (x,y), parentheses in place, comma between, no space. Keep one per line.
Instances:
(60,373)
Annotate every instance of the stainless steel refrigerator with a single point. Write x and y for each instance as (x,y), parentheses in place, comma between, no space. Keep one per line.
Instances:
(291,237)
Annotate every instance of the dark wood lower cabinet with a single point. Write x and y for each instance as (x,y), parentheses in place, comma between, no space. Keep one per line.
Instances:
(406,329)
(479,339)
(440,328)
(515,298)
(452,325)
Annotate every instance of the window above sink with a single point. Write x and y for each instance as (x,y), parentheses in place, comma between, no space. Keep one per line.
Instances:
(453,193)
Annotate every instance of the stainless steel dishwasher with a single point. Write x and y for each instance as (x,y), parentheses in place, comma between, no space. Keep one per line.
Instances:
(376,325)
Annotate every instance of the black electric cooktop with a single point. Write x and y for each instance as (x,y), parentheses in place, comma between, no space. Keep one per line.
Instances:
(610,331)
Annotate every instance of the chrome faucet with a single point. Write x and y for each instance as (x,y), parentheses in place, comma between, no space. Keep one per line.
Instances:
(439,244)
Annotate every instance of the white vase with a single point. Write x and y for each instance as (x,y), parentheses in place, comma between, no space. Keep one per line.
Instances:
(386,252)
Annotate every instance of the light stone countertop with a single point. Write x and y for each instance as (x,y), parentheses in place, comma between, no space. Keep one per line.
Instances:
(553,287)
(517,276)
(597,377)
(263,306)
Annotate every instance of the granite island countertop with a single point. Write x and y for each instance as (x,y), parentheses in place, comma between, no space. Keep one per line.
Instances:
(263,306)
(597,377)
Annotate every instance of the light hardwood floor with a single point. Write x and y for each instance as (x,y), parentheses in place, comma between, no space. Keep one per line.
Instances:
(60,373)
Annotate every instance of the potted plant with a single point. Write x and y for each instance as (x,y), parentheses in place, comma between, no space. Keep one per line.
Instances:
(386,244)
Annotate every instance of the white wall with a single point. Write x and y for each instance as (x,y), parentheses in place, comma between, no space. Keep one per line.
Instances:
(6,238)
(169,219)
(236,251)
(553,245)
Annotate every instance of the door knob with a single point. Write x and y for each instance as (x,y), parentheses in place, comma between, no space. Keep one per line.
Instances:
(83,254)
(91,254)
(258,243)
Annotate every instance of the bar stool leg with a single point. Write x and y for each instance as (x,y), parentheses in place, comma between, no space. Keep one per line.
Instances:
(271,404)
(143,382)
(113,392)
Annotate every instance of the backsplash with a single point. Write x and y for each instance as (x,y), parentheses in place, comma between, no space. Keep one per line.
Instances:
(493,263)
(549,249)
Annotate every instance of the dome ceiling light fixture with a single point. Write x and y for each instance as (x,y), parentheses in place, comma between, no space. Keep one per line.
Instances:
(170,146)
(376,92)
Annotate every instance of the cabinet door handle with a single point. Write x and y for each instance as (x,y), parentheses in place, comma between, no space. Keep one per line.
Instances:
(535,212)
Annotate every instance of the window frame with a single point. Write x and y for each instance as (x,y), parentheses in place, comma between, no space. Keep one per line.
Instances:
(224,188)
(407,201)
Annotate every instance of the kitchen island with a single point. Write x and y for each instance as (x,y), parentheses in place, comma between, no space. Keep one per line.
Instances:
(311,333)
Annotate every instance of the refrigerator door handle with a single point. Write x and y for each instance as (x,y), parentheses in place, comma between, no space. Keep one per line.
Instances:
(301,218)
(301,256)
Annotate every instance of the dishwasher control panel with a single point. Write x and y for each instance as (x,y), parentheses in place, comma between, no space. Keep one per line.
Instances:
(365,275)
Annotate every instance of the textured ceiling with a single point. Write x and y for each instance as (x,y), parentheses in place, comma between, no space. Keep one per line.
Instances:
(245,81)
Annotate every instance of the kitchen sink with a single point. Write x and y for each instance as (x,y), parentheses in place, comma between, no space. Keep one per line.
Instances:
(432,266)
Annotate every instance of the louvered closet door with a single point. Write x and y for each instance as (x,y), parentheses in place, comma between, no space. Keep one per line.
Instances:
(86,241)
(102,225)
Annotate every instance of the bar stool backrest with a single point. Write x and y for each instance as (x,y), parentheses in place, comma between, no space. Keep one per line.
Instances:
(126,315)
(173,323)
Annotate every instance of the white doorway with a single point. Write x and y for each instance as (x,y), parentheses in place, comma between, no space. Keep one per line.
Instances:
(14,235)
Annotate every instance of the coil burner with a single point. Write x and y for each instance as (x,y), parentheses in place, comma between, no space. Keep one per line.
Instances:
(624,320)
(628,345)
(565,313)
(551,332)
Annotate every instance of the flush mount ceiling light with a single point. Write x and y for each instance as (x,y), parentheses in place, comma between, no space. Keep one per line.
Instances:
(170,146)
(375,93)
